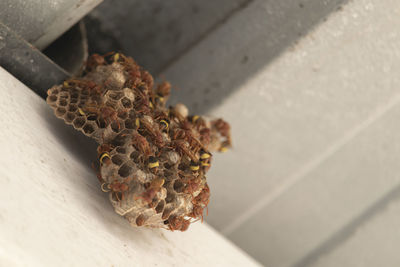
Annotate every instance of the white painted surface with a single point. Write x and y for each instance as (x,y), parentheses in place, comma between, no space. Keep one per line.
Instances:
(53,213)
(314,128)
(331,201)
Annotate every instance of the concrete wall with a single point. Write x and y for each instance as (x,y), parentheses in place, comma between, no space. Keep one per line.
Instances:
(311,91)
(156,32)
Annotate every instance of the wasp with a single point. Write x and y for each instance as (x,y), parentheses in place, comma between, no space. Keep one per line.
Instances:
(162,93)
(164,125)
(186,133)
(104,157)
(112,57)
(133,79)
(183,149)
(105,113)
(205,160)
(203,198)
(140,220)
(91,87)
(142,105)
(141,144)
(117,188)
(103,152)
(194,118)
(194,166)
(223,128)
(225,145)
(163,120)
(164,89)
(147,79)
(153,164)
(117,56)
(197,122)
(197,212)
(156,135)
(93,61)
(178,223)
(205,156)
(151,191)
(127,62)
(192,185)
(205,136)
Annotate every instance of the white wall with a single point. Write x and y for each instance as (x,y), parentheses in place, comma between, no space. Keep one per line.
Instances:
(311,91)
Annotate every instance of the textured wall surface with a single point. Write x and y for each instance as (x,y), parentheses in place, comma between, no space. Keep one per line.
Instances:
(155,32)
(311,91)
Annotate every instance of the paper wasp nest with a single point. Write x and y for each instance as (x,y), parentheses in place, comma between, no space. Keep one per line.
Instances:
(153,160)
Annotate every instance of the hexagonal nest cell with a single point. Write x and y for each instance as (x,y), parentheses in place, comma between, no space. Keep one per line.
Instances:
(153,159)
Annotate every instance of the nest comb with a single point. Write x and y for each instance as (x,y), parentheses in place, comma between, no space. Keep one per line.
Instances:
(153,159)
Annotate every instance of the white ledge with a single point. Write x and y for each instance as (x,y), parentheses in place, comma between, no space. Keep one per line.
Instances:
(53,213)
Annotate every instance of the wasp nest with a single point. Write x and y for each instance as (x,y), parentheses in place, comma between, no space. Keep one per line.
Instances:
(153,159)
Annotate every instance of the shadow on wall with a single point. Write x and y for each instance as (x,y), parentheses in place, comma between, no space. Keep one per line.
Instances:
(232,39)
(154,32)
(346,232)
